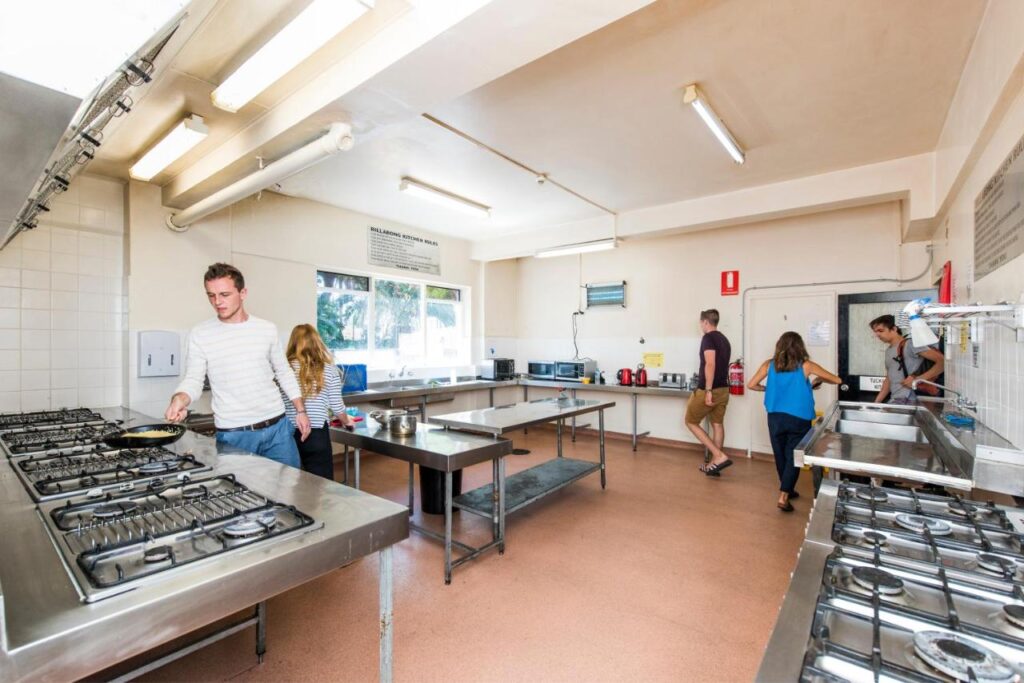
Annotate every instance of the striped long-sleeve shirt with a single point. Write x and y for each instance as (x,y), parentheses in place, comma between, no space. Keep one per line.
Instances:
(328,398)
(242,361)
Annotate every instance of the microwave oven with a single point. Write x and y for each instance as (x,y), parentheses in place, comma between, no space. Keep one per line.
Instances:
(498,369)
(541,369)
(574,370)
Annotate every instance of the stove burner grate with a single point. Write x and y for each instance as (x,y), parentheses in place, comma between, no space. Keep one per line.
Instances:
(157,554)
(118,509)
(873,577)
(917,523)
(875,538)
(995,563)
(872,494)
(251,525)
(962,658)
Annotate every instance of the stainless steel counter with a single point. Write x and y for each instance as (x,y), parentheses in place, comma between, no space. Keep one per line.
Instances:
(610,388)
(912,443)
(376,393)
(502,419)
(445,450)
(49,633)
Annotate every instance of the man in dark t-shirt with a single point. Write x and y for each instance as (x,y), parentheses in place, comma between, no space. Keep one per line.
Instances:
(712,394)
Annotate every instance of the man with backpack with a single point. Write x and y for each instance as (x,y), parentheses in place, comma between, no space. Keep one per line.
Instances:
(905,363)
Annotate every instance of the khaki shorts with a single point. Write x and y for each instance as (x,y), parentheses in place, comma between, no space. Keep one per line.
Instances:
(696,410)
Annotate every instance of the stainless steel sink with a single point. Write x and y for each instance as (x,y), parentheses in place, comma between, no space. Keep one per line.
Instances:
(879,430)
(879,416)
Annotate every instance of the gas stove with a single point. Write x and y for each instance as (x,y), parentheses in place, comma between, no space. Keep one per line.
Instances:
(906,587)
(98,470)
(117,542)
(54,439)
(48,418)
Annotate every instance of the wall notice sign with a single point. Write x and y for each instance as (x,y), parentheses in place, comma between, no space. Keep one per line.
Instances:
(819,333)
(998,216)
(730,282)
(654,360)
(871,383)
(394,249)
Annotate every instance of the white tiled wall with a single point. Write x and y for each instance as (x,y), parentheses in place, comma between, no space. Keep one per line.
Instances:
(997,384)
(63,305)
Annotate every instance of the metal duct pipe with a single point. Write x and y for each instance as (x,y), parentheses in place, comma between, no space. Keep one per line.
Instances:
(338,138)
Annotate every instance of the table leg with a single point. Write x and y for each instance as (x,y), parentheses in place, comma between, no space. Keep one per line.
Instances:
(634,421)
(411,495)
(346,464)
(494,498)
(261,630)
(357,467)
(600,440)
(526,397)
(559,431)
(501,506)
(423,409)
(386,614)
(447,528)
(491,394)
(573,394)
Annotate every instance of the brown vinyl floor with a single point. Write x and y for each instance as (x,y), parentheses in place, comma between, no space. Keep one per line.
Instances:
(667,575)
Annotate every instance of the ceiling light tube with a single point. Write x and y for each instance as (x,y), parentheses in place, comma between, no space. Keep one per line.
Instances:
(304,35)
(695,98)
(418,188)
(183,137)
(580,248)
(338,138)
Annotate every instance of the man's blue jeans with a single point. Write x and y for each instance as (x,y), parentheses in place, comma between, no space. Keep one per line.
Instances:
(274,442)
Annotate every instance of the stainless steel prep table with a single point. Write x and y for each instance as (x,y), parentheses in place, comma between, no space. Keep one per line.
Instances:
(634,393)
(49,633)
(447,451)
(538,481)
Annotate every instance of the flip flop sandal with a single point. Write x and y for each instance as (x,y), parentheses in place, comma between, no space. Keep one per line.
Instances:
(788,507)
(715,470)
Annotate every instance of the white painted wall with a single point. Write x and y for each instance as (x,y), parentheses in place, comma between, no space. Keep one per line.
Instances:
(670,279)
(278,242)
(62,304)
(997,384)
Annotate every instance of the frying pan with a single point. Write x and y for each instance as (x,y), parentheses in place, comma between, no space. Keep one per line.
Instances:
(120,440)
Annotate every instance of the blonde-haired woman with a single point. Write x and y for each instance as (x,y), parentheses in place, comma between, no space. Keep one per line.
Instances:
(320,383)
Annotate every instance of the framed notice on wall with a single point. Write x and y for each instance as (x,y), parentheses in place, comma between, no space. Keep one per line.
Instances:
(395,249)
(999,216)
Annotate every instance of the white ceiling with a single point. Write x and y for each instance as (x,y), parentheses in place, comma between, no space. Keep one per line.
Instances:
(807,86)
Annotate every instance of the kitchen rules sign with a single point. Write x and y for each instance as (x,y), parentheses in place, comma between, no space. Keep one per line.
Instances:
(393,249)
(999,215)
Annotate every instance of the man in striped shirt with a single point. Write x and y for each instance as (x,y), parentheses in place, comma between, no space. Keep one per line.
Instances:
(242,356)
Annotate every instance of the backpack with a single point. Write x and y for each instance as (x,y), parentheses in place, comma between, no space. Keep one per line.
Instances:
(922,389)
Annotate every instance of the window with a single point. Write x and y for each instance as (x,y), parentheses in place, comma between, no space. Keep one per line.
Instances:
(387,322)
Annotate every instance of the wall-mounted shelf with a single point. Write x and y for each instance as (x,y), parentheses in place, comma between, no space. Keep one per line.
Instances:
(1007,315)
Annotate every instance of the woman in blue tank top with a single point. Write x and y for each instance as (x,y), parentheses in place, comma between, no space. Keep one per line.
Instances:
(790,378)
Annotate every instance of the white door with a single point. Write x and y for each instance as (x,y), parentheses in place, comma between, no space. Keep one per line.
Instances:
(813,317)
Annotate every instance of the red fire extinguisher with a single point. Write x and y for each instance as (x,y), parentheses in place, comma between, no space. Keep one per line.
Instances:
(736,377)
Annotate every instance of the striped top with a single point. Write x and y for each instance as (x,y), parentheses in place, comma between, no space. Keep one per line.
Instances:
(328,398)
(242,361)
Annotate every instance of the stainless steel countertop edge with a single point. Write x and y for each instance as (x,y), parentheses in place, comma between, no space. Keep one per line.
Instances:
(44,621)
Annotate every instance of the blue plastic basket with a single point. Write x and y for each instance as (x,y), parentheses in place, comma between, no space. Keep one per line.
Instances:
(353,378)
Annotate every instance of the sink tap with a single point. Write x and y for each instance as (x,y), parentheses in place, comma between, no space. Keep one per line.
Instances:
(961,401)
(401,373)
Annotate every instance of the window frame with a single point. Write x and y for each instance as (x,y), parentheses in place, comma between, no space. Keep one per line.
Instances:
(370,293)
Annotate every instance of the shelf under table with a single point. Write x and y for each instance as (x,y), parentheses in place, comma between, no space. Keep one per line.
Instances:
(528,486)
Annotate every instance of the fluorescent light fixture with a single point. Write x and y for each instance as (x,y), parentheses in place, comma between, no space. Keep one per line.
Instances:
(580,248)
(304,35)
(73,46)
(418,188)
(695,98)
(183,137)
